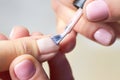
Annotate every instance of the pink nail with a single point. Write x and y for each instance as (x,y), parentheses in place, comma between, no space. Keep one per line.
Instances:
(46,45)
(103,36)
(97,10)
(24,70)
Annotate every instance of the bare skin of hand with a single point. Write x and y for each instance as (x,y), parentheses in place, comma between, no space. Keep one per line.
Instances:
(18,71)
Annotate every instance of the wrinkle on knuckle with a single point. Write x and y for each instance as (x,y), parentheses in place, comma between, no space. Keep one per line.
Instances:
(24,46)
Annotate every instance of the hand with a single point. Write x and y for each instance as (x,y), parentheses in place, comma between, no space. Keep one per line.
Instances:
(27,67)
(101,25)
(26,44)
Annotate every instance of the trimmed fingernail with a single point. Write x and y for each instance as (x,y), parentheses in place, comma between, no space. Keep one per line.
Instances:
(25,70)
(103,36)
(97,10)
(11,33)
(46,45)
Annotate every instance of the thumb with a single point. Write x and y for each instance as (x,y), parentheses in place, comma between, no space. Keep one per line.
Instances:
(9,49)
(98,10)
(26,67)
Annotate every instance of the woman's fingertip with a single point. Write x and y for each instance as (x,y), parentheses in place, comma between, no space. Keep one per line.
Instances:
(103,36)
(18,32)
(3,37)
(46,45)
(97,10)
(24,70)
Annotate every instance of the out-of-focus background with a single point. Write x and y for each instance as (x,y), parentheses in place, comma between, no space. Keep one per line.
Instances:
(89,60)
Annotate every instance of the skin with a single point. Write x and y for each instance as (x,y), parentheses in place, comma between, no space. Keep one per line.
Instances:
(63,7)
(55,74)
(64,10)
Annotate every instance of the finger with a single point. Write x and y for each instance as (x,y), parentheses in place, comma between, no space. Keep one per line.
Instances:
(99,10)
(19,31)
(26,67)
(15,34)
(13,48)
(4,75)
(68,3)
(62,7)
(102,33)
(116,27)
(3,37)
(57,72)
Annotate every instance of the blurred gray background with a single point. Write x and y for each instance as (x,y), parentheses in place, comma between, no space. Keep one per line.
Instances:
(89,60)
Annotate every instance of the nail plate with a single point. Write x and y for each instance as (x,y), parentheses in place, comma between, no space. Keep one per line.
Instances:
(24,70)
(46,45)
(97,10)
(103,36)
(11,33)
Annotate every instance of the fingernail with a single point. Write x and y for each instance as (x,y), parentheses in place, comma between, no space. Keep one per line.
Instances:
(25,70)
(97,10)
(11,34)
(46,45)
(103,36)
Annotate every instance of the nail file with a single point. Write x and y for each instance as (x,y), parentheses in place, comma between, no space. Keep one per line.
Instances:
(78,4)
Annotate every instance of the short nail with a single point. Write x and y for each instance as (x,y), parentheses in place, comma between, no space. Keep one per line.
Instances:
(46,45)
(25,70)
(97,10)
(11,34)
(103,36)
